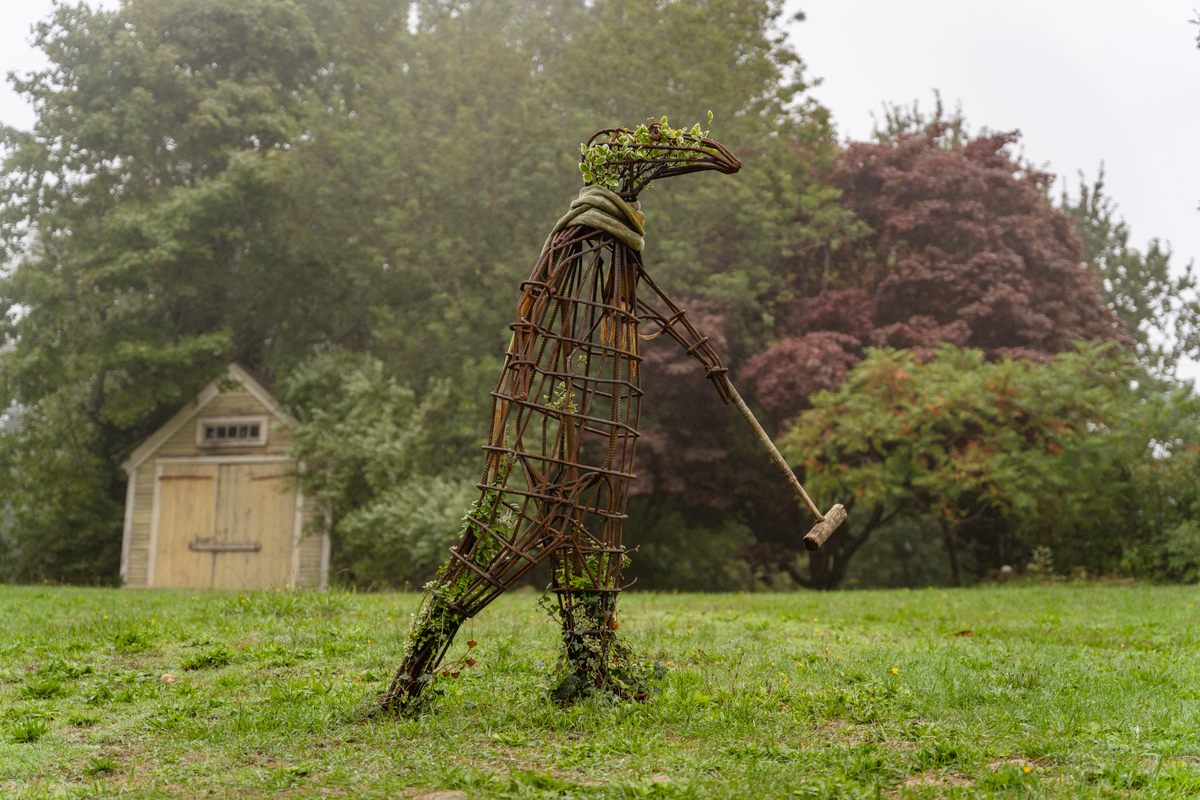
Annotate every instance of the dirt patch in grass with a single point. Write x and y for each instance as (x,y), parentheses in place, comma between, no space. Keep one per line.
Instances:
(842,731)
(504,761)
(1033,763)
(932,777)
(936,777)
(1153,763)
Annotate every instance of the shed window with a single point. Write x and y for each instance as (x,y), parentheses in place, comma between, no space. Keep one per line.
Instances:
(232,432)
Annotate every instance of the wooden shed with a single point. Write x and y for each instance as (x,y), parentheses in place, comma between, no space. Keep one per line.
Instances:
(210,503)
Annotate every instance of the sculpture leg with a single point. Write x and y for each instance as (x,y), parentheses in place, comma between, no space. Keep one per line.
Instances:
(499,545)
(432,631)
(587,583)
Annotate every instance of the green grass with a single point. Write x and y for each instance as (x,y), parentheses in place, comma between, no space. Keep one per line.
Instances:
(1055,692)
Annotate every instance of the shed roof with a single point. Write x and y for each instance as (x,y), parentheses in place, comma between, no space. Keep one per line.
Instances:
(235,373)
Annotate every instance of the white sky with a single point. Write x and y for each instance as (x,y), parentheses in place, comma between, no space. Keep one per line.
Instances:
(1085,81)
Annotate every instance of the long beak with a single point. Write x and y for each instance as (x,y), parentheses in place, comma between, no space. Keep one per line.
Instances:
(719,157)
(708,154)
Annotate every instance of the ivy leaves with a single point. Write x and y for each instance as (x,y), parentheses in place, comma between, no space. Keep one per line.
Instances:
(601,164)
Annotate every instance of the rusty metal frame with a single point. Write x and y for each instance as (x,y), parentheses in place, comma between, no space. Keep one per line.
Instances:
(565,413)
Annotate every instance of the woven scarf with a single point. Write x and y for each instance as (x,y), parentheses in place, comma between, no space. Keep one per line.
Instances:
(604,210)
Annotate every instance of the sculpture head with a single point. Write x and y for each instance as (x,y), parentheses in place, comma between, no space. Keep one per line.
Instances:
(626,160)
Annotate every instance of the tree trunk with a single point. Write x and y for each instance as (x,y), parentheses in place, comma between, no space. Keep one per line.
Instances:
(951,543)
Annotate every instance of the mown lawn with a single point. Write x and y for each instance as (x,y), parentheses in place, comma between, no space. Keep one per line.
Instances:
(1057,692)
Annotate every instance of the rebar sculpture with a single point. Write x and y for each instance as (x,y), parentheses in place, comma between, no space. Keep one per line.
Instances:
(559,459)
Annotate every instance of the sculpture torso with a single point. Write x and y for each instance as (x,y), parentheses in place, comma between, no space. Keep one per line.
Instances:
(566,407)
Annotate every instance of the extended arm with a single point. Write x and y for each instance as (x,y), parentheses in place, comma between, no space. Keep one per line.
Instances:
(672,321)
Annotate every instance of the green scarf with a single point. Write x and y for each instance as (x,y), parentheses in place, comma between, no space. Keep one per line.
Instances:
(604,210)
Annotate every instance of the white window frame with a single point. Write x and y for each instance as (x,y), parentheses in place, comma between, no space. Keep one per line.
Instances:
(260,421)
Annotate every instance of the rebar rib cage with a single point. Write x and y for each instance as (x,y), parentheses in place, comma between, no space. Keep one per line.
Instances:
(564,421)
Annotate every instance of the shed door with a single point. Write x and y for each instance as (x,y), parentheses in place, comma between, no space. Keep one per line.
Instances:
(187,495)
(227,526)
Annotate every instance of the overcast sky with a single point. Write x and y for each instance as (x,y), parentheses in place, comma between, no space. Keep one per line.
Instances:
(1085,81)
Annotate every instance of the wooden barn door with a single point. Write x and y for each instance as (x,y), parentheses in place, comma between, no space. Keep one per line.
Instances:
(227,526)
(187,504)
(254,522)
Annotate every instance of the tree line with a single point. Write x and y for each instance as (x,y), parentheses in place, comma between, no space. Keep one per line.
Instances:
(344,200)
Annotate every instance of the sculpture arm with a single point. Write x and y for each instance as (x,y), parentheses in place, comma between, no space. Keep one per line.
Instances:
(672,321)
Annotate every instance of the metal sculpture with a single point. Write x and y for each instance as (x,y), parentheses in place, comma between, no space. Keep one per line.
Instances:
(559,459)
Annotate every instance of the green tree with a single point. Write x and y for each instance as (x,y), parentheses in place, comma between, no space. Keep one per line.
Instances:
(1160,310)
(993,458)
(151,227)
(1162,523)
(474,146)
(382,464)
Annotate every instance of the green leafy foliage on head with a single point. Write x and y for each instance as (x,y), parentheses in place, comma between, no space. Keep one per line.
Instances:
(603,163)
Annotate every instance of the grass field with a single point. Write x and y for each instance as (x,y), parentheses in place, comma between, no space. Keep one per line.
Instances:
(1056,692)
